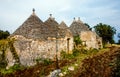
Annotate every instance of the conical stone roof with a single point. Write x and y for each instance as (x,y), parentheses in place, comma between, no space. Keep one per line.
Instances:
(54,29)
(63,25)
(77,26)
(33,28)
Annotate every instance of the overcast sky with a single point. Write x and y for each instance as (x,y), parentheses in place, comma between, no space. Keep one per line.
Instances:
(14,12)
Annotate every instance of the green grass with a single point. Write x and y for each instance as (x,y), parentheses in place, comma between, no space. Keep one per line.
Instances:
(12,69)
(80,56)
(44,61)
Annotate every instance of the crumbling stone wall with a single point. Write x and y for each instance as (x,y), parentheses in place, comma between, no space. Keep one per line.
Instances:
(29,50)
(90,39)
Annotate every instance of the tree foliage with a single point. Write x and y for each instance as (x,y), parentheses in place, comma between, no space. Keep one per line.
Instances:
(118,35)
(88,26)
(77,40)
(4,34)
(106,32)
(3,47)
(119,38)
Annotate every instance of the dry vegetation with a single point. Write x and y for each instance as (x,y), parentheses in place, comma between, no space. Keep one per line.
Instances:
(99,65)
(92,63)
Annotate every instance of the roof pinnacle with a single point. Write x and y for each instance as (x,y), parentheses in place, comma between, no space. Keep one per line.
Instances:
(78,18)
(74,19)
(33,11)
(52,17)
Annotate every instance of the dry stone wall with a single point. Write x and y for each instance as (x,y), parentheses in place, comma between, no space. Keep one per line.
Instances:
(90,39)
(30,50)
(10,59)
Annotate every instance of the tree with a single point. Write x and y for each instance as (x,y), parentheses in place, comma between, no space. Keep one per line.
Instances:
(4,34)
(106,32)
(77,40)
(88,26)
(119,38)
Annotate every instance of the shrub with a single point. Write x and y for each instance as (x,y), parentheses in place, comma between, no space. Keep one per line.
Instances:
(77,40)
(83,51)
(16,67)
(76,52)
(4,34)
(3,64)
(65,55)
(12,69)
(93,50)
(45,61)
(3,47)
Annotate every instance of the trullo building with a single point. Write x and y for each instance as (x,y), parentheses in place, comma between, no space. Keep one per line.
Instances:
(89,38)
(36,39)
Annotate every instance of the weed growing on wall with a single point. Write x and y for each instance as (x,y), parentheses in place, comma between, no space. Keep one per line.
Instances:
(3,47)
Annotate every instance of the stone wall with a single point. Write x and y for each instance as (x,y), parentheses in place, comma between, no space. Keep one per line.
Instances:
(90,39)
(29,50)
(10,58)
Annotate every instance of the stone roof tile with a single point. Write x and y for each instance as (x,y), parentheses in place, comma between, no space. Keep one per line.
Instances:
(33,28)
(77,26)
(63,25)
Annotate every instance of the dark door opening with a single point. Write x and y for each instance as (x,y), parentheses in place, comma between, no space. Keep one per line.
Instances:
(68,41)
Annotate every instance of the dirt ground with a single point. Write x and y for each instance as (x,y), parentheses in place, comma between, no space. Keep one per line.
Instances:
(96,66)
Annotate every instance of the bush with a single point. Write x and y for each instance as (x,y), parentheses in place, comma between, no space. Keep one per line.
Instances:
(77,40)
(3,64)
(93,50)
(12,69)
(64,55)
(76,52)
(4,34)
(3,47)
(45,61)
(83,51)
(16,67)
